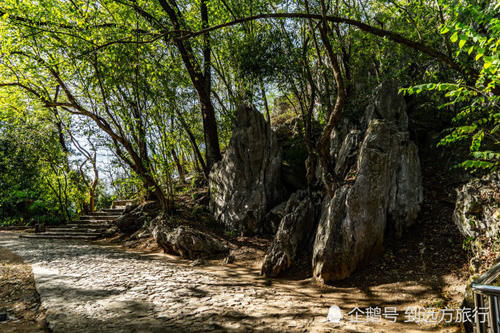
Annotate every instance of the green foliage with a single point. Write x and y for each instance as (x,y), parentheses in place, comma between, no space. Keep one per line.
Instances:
(35,182)
(104,199)
(128,187)
(265,55)
(475,32)
(84,53)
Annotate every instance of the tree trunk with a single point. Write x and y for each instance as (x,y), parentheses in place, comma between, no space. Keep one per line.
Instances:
(200,162)
(323,143)
(93,186)
(200,77)
(92,196)
(210,130)
(180,169)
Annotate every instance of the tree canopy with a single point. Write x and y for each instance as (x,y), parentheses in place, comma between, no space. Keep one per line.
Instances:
(153,85)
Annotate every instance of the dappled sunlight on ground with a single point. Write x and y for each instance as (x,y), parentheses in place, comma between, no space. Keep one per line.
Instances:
(85,287)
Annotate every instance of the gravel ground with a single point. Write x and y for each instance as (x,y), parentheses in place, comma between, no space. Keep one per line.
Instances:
(92,288)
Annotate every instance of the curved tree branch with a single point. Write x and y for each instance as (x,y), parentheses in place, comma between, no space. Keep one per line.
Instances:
(393,36)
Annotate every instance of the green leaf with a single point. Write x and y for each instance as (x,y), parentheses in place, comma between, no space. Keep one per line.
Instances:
(454,37)
(444,30)
(461,43)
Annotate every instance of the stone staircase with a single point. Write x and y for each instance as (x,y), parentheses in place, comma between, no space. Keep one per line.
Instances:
(88,227)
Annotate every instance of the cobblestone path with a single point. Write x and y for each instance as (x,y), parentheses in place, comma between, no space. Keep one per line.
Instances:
(92,288)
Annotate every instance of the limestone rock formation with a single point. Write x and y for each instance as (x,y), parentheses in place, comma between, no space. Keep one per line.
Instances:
(477,210)
(187,242)
(382,191)
(294,233)
(245,184)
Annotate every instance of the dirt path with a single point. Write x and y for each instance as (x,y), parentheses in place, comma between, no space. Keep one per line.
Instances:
(18,296)
(94,288)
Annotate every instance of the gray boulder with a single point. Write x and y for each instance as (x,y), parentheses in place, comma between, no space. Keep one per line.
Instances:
(294,233)
(381,193)
(187,242)
(132,220)
(245,184)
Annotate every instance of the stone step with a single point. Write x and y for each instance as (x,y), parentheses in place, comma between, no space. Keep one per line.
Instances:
(121,203)
(76,229)
(15,227)
(99,218)
(94,214)
(106,213)
(113,210)
(72,233)
(88,227)
(57,236)
(97,224)
(103,222)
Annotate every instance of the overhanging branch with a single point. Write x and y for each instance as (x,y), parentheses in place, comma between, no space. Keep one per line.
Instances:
(393,36)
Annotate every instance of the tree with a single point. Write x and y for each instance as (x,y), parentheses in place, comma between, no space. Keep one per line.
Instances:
(37,183)
(103,87)
(144,72)
(474,34)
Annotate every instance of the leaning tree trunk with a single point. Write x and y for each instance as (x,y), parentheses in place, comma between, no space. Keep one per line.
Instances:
(93,186)
(333,118)
(92,196)
(200,77)
(180,169)
(210,129)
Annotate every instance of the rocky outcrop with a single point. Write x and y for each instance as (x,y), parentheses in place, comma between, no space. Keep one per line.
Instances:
(245,184)
(294,233)
(187,242)
(382,190)
(477,212)
(136,216)
(379,189)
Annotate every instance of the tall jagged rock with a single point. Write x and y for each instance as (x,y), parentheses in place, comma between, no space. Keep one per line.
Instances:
(382,190)
(246,184)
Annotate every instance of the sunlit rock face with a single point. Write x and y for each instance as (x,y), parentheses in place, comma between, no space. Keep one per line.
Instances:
(187,242)
(246,183)
(381,192)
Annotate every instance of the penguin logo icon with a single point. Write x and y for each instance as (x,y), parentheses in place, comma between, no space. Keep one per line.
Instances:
(334,314)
